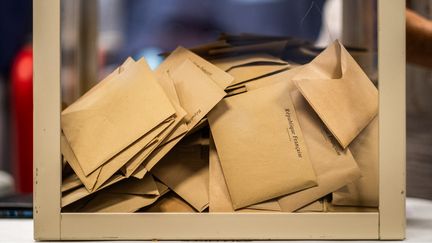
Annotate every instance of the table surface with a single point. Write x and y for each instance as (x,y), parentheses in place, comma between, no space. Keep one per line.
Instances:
(419,225)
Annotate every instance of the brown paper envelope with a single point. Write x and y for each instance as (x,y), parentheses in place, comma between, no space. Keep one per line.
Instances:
(97,178)
(178,127)
(317,206)
(185,171)
(81,192)
(219,198)
(146,186)
(230,63)
(249,67)
(239,90)
(70,183)
(140,172)
(162,188)
(117,203)
(364,191)
(126,196)
(103,173)
(168,85)
(339,92)
(88,181)
(333,166)
(134,163)
(221,78)
(285,76)
(114,116)
(198,94)
(245,74)
(260,145)
(65,147)
(272,205)
(170,203)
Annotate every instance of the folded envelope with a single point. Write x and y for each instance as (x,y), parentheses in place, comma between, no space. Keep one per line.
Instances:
(97,178)
(229,63)
(285,76)
(185,171)
(79,193)
(339,92)
(70,183)
(317,206)
(219,198)
(170,202)
(333,166)
(364,191)
(177,128)
(260,145)
(179,55)
(121,110)
(198,94)
(249,67)
(127,196)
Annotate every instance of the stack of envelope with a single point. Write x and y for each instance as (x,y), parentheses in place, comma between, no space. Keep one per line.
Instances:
(324,111)
(245,124)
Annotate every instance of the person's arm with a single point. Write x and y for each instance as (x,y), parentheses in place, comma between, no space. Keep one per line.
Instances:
(418,39)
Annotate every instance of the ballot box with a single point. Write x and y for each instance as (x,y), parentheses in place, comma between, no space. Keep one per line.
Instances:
(252,216)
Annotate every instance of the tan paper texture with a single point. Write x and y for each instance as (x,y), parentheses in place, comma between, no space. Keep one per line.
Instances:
(70,183)
(236,91)
(97,178)
(230,63)
(317,206)
(170,203)
(339,92)
(249,67)
(185,171)
(126,196)
(176,129)
(333,166)
(260,145)
(271,205)
(285,76)
(179,55)
(115,115)
(81,192)
(198,94)
(219,198)
(365,190)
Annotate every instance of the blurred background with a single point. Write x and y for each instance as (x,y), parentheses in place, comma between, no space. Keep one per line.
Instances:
(97,35)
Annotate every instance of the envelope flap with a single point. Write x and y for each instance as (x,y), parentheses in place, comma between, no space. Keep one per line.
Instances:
(221,78)
(88,181)
(229,63)
(339,92)
(196,91)
(146,186)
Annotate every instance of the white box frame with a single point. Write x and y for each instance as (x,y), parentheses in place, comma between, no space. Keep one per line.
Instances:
(51,224)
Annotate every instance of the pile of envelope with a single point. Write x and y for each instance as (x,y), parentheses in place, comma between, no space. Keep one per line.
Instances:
(239,131)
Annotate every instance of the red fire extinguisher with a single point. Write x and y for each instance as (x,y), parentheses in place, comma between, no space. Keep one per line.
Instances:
(22,119)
